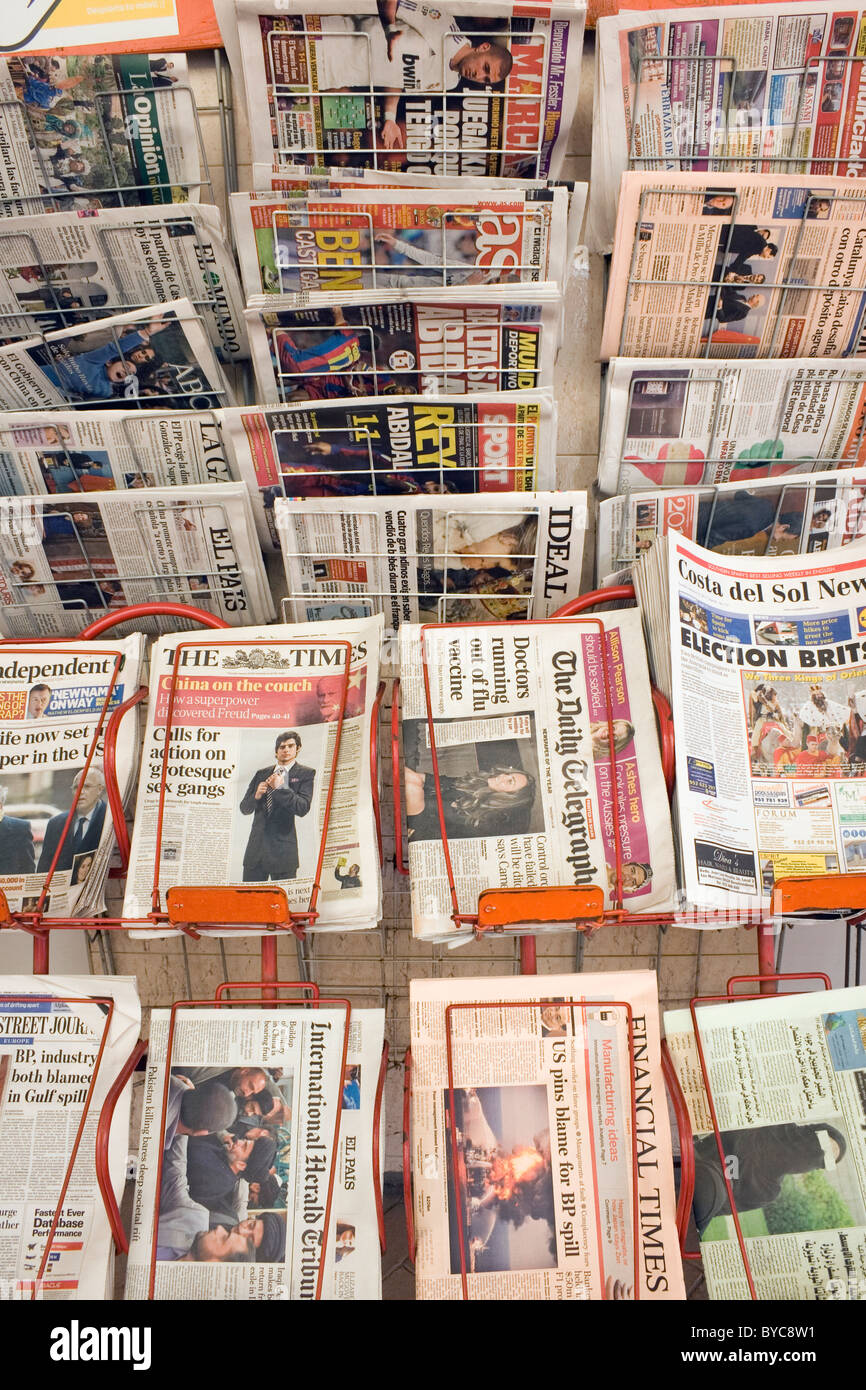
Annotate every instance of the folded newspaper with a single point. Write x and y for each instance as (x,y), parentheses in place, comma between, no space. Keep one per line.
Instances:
(542,1154)
(237,1156)
(267,732)
(65,1040)
(271,177)
(523,789)
(70,560)
(787,1079)
(56,828)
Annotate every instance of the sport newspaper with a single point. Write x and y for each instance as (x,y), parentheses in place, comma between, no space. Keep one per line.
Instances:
(50,1071)
(301,1052)
(769,681)
(520,717)
(417,96)
(536,1168)
(233,811)
(70,559)
(56,827)
(788,1081)
(393,446)
(737,265)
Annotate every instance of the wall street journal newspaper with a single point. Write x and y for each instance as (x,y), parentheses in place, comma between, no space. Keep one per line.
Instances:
(788,1081)
(525,765)
(525,1165)
(50,1068)
(244,1210)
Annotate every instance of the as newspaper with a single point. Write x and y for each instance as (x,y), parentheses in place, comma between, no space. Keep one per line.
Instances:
(257,752)
(788,1082)
(245,1126)
(56,827)
(530,792)
(470,90)
(537,1174)
(63,1042)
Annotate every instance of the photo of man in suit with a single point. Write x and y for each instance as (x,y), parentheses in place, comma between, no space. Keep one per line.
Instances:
(17,855)
(85,830)
(275,796)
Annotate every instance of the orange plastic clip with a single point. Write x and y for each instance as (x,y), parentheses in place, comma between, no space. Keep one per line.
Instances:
(819,893)
(506,907)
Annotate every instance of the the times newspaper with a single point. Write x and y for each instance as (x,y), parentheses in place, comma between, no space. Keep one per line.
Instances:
(459,89)
(675,424)
(82,131)
(392,445)
(533,1172)
(246,775)
(745,265)
(242,1210)
(788,1082)
(69,560)
(526,771)
(50,1071)
(56,828)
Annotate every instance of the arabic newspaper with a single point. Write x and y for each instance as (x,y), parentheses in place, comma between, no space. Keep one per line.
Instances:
(522,746)
(247,771)
(51,1075)
(525,1157)
(788,1080)
(244,1210)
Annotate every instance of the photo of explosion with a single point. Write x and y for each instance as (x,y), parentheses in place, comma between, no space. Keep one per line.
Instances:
(503,1185)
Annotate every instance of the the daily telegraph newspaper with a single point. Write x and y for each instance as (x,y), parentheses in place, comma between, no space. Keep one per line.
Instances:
(245,767)
(159,356)
(86,131)
(674,424)
(737,265)
(459,89)
(394,238)
(533,1172)
(391,344)
(788,1081)
(56,829)
(66,268)
(66,561)
(398,445)
(52,1029)
(243,1127)
(528,792)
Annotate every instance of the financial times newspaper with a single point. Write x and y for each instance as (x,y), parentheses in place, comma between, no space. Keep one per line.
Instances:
(69,560)
(243,1208)
(459,90)
(788,1080)
(526,773)
(392,445)
(56,828)
(737,265)
(50,1068)
(525,1164)
(246,774)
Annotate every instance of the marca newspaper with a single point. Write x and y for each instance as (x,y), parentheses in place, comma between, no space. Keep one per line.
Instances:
(525,1156)
(769,680)
(468,90)
(745,265)
(520,718)
(70,560)
(78,131)
(245,777)
(56,830)
(59,1056)
(788,1082)
(246,1211)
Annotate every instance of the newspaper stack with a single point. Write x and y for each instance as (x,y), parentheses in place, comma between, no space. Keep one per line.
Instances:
(265,774)
(528,787)
(534,1176)
(237,1157)
(786,1076)
(53,1084)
